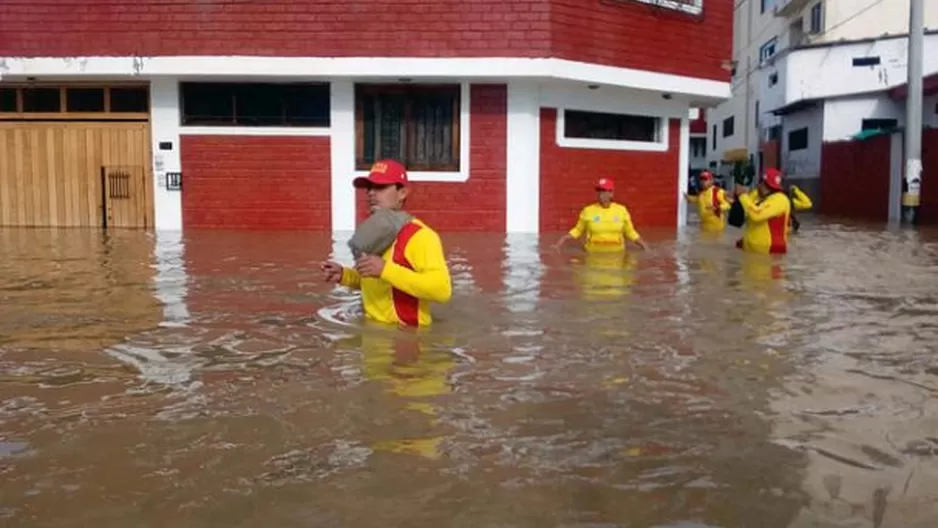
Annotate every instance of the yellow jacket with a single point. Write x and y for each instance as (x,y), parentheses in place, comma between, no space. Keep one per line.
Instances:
(766,228)
(800,200)
(711,205)
(606,228)
(415,274)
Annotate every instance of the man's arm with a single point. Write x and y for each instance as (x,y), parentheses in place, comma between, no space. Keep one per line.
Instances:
(769,208)
(721,198)
(577,230)
(351,278)
(429,280)
(800,200)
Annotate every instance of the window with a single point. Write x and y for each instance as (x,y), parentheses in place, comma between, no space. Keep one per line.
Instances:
(416,124)
(766,5)
(879,124)
(773,79)
(767,51)
(757,115)
(865,61)
(255,104)
(615,127)
(693,7)
(714,148)
(698,147)
(75,102)
(728,125)
(817,18)
(798,139)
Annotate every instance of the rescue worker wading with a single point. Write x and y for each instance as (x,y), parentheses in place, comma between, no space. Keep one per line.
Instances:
(711,203)
(398,286)
(606,224)
(767,209)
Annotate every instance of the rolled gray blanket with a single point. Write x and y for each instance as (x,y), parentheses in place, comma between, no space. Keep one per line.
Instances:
(376,234)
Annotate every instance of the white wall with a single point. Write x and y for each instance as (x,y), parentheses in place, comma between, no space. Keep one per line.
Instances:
(804,163)
(843,117)
(828,71)
(852,19)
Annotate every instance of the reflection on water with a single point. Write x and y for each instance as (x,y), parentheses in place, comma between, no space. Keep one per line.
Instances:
(211,379)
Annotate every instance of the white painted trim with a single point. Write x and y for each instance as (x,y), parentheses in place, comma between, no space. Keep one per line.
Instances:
(694,8)
(523,164)
(610,100)
(474,69)
(609,144)
(164,127)
(342,155)
(254,131)
(460,176)
(683,170)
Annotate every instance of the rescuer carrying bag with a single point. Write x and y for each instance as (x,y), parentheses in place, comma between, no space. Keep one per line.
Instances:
(376,234)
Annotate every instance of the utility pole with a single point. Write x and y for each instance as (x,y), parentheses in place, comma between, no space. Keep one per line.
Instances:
(913,114)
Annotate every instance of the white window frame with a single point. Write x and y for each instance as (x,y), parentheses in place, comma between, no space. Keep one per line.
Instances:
(694,7)
(460,176)
(613,144)
(819,9)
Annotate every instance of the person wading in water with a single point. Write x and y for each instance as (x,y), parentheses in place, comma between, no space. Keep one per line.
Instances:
(606,224)
(767,210)
(398,285)
(711,204)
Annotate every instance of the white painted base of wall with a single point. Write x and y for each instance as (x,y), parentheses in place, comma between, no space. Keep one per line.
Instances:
(525,100)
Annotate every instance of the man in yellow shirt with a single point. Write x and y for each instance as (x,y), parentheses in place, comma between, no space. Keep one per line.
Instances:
(397,286)
(606,224)
(767,212)
(711,204)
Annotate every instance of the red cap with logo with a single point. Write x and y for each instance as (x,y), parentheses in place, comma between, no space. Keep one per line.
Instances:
(605,184)
(772,178)
(383,172)
(706,175)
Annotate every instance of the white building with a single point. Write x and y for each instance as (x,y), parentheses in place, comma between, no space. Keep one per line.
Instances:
(808,71)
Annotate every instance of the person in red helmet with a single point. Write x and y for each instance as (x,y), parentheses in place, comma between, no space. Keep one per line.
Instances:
(767,209)
(606,224)
(711,203)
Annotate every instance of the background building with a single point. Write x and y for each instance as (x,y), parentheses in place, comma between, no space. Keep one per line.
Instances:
(257,115)
(810,71)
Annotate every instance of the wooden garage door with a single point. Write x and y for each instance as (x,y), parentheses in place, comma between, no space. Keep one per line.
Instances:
(75,173)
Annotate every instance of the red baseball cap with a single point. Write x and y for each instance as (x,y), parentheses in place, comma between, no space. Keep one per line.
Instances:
(706,175)
(772,178)
(383,172)
(605,184)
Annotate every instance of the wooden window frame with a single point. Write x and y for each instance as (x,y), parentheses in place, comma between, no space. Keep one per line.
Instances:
(64,114)
(410,127)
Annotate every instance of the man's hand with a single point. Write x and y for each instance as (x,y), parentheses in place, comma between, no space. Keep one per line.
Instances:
(331,272)
(370,266)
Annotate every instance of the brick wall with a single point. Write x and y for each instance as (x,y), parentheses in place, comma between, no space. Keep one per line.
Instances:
(633,34)
(928,214)
(629,33)
(479,203)
(646,182)
(245,182)
(855,178)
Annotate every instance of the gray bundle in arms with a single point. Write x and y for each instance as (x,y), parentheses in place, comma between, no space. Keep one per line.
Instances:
(376,234)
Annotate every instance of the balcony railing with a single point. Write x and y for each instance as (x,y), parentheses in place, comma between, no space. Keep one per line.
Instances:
(693,7)
(786,8)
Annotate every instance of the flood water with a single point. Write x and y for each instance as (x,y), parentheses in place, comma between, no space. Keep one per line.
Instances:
(212,380)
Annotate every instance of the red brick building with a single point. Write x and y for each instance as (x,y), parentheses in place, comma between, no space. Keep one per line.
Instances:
(257,115)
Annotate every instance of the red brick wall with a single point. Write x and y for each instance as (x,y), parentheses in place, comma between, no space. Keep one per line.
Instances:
(928,213)
(855,178)
(250,182)
(646,182)
(479,203)
(637,35)
(628,33)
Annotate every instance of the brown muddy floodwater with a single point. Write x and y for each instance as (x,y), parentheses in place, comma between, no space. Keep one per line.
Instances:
(153,381)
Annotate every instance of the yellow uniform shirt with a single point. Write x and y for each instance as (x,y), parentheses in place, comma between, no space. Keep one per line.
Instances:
(606,228)
(800,200)
(711,205)
(766,229)
(402,295)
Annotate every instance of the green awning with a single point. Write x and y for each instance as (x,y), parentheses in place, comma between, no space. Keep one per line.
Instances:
(866,134)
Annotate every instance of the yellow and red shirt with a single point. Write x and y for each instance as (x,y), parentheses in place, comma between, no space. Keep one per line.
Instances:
(606,228)
(711,205)
(415,274)
(766,229)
